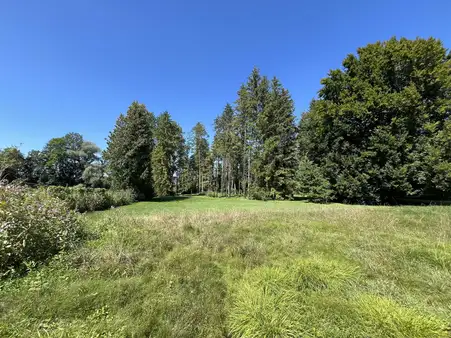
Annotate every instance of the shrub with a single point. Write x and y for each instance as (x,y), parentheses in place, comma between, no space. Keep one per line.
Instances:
(211,193)
(120,197)
(34,226)
(259,194)
(84,199)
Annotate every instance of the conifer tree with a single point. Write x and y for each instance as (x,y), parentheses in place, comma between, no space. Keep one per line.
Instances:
(200,152)
(129,148)
(225,149)
(277,132)
(166,157)
(252,98)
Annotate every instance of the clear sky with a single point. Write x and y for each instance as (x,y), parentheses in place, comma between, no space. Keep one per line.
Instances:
(69,65)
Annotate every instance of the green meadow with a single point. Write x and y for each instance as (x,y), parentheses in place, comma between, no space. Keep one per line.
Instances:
(212,267)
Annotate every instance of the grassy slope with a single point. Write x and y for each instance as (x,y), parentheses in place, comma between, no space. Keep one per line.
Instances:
(217,267)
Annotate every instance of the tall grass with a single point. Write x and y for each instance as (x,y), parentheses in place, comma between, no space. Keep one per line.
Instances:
(205,267)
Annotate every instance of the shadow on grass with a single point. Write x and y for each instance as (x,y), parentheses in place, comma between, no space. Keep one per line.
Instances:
(420,202)
(301,198)
(169,198)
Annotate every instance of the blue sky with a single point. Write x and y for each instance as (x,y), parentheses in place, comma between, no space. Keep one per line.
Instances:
(75,65)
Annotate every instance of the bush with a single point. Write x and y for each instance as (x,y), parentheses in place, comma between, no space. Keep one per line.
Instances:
(211,193)
(84,199)
(259,194)
(34,226)
(120,197)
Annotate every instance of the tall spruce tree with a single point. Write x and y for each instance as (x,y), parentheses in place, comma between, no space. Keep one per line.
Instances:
(167,155)
(200,153)
(277,160)
(252,98)
(129,149)
(226,151)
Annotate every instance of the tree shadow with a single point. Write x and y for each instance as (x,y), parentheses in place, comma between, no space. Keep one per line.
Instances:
(419,202)
(301,198)
(169,198)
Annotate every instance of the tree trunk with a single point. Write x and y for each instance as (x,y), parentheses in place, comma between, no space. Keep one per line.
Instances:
(248,171)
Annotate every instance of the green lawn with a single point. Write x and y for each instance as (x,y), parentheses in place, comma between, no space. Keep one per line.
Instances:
(204,267)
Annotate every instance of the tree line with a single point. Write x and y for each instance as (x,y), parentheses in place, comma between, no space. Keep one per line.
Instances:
(64,161)
(379,130)
(254,150)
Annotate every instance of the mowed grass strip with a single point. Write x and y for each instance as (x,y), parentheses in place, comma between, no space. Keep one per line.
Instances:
(205,267)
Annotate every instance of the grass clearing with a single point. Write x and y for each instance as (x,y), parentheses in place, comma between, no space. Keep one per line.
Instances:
(205,267)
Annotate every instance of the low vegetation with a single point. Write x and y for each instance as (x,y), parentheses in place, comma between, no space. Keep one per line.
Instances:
(84,199)
(34,226)
(208,267)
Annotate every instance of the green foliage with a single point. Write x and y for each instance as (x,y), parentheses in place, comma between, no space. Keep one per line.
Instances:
(11,164)
(201,159)
(312,183)
(129,149)
(293,302)
(34,168)
(251,102)
(255,145)
(277,160)
(317,273)
(380,126)
(84,199)
(259,194)
(94,176)
(63,160)
(161,172)
(226,152)
(167,154)
(34,226)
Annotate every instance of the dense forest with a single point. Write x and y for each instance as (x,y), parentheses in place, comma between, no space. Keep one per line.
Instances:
(378,132)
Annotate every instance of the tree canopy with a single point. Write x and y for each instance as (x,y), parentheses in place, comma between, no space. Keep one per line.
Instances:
(380,127)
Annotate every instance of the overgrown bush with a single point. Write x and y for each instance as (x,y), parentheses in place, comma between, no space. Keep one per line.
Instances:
(259,194)
(211,193)
(84,199)
(34,226)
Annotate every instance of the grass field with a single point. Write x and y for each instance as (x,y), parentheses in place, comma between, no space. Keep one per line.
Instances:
(204,267)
